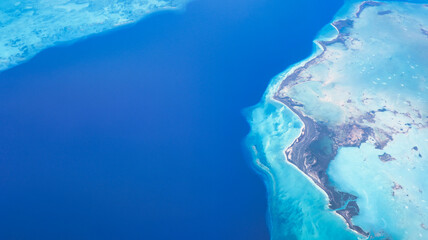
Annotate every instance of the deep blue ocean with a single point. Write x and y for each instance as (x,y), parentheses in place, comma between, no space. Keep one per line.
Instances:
(138,133)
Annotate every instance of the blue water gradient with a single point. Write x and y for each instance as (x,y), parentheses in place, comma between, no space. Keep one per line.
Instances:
(137,133)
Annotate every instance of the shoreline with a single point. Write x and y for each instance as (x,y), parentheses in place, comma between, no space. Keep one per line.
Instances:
(341,203)
(6,65)
(310,162)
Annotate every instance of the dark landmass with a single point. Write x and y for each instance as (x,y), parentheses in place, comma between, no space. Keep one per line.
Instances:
(386,157)
(318,144)
(424,32)
(310,154)
(397,186)
(342,24)
(365,5)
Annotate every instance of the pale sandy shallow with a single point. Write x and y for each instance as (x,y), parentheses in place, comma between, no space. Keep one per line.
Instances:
(31,26)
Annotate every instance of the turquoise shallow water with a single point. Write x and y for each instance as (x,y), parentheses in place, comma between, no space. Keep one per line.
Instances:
(108,93)
(379,69)
(297,208)
(398,213)
(28,27)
